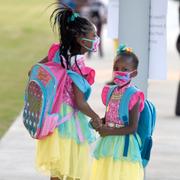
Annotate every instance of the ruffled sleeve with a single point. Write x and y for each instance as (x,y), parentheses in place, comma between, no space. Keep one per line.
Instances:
(134,99)
(104,93)
(52,51)
(88,72)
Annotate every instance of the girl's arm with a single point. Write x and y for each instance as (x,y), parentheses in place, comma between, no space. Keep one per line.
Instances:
(84,107)
(130,129)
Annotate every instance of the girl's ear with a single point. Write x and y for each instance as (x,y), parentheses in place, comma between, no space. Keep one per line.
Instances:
(134,73)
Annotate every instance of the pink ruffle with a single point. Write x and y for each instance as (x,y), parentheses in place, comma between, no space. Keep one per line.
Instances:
(138,96)
(88,72)
(53,49)
(104,93)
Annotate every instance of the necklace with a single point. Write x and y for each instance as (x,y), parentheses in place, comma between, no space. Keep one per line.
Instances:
(116,95)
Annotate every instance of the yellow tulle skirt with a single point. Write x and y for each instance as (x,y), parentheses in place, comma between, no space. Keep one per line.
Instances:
(62,157)
(109,169)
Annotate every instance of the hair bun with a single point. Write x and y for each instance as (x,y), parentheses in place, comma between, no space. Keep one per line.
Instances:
(73,17)
(123,48)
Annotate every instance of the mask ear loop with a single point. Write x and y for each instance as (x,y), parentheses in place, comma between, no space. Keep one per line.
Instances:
(90,40)
(93,41)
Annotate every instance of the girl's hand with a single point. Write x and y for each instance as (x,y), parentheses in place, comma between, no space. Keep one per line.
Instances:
(103,120)
(105,131)
(131,128)
(96,123)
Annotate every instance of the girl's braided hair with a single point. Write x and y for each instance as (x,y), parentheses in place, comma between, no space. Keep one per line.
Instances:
(70,26)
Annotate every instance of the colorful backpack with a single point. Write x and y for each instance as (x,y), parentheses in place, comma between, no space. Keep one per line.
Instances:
(146,122)
(43,95)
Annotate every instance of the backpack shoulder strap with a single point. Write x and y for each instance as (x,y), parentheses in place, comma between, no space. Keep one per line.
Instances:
(109,94)
(123,107)
(56,58)
(124,113)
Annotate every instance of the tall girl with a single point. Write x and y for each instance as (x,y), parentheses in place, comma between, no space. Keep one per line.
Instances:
(65,153)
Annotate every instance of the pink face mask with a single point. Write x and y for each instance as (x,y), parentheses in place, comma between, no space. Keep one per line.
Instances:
(95,44)
(121,78)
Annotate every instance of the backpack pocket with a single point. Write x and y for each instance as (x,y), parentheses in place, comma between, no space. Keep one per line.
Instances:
(34,108)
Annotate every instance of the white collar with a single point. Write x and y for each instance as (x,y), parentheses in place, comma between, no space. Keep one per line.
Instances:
(77,57)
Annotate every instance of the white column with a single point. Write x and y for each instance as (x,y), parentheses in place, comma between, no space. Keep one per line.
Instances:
(134,16)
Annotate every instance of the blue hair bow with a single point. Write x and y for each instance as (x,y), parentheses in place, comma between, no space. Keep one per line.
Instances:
(123,48)
(73,17)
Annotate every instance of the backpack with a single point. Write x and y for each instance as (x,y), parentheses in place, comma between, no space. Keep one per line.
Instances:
(44,96)
(146,124)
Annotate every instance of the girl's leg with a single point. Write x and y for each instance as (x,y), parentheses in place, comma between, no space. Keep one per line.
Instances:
(54,178)
(67,178)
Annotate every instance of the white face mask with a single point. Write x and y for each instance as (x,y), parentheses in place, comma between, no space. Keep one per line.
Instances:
(95,44)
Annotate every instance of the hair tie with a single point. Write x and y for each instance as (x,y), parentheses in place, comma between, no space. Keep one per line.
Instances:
(122,48)
(73,17)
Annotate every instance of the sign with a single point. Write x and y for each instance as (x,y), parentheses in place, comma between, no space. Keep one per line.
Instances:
(157,51)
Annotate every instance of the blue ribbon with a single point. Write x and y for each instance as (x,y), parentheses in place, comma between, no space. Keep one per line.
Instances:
(73,17)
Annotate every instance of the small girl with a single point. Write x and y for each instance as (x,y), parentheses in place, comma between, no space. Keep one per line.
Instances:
(110,162)
(65,153)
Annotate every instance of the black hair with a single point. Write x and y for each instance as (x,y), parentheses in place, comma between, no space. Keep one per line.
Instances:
(128,55)
(69,29)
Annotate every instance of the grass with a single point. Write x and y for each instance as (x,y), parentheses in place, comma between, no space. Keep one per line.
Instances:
(25,36)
